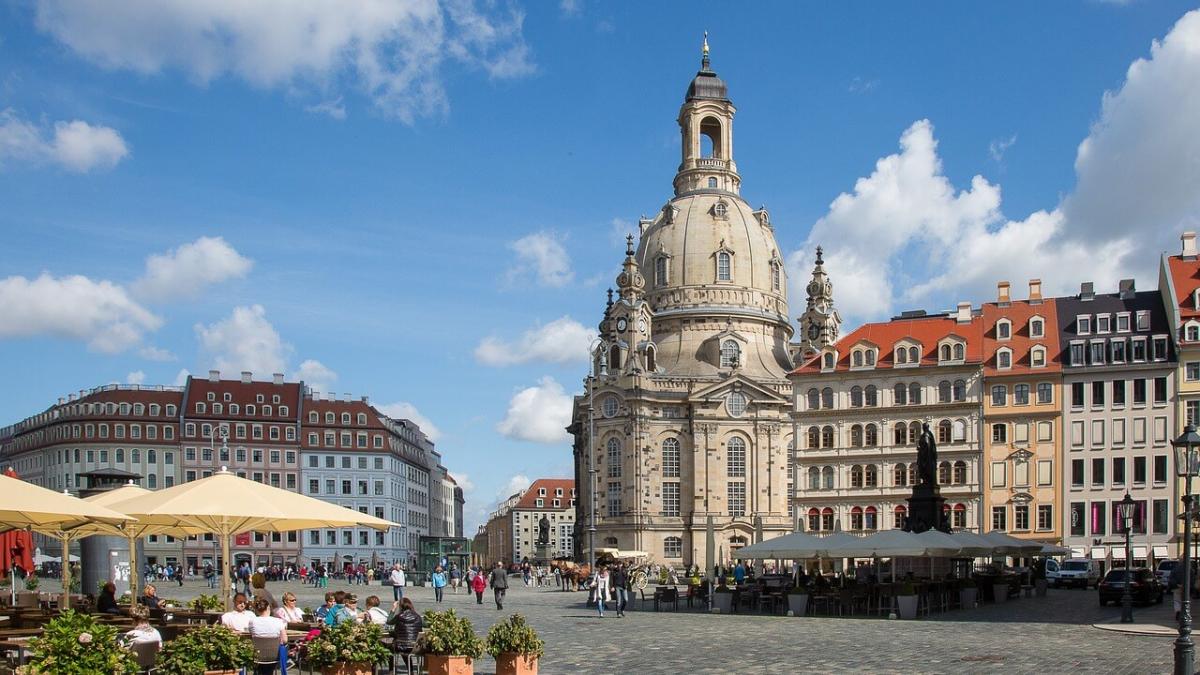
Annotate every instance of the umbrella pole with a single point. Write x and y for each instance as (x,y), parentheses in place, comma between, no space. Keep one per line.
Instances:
(66,572)
(133,570)
(225,569)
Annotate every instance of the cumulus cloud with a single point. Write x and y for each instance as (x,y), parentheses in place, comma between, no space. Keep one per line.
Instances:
(99,313)
(515,484)
(75,145)
(245,340)
(152,353)
(539,413)
(395,53)
(570,8)
(541,256)
(563,340)
(333,109)
(186,271)
(407,411)
(464,481)
(181,377)
(906,234)
(136,377)
(315,375)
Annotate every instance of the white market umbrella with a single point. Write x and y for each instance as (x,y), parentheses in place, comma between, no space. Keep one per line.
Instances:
(1009,545)
(794,546)
(882,544)
(940,545)
(1052,549)
(974,545)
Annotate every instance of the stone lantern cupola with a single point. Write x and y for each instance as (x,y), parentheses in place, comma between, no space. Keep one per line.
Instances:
(706,122)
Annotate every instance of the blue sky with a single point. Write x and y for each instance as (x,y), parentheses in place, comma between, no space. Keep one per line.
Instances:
(424,202)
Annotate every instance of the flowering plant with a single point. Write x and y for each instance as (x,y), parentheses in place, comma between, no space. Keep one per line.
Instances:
(449,634)
(205,648)
(206,603)
(348,642)
(75,643)
(514,636)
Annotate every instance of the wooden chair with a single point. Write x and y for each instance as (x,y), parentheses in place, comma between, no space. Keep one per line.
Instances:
(664,595)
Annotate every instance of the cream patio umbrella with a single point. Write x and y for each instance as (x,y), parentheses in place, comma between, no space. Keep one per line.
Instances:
(224,504)
(794,546)
(55,514)
(131,530)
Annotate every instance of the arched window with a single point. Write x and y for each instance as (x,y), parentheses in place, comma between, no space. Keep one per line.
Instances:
(959,516)
(960,430)
(900,475)
(899,515)
(945,353)
(670,458)
(827,437)
(856,395)
(871,518)
(856,476)
(776,276)
(723,271)
(872,396)
(914,432)
(814,399)
(901,355)
(827,519)
(914,356)
(856,518)
(660,271)
(827,478)
(730,354)
(672,547)
(871,436)
(814,520)
(651,361)
(960,390)
(814,438)
(944,473)
(944,431)
(856,357)
(827,397)
(735,451)
(900,393)
(959,352)
(900,437)
(960,473)
(828,361)
(871,476)
(152,456)
(814,478)
(912,473)
(614,358)
(614,458)
(914,393)
(944,391)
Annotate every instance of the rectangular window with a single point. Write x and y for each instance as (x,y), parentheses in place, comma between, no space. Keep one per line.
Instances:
(1021,517)
(1138,349)
(1078,354)
(1078,518)
(1097,432)
(1045,517)
(614,499)
(1118,432)
(1045,431)
(1099,524)
(330,486)
(1077,433)
(999,395)
(1118,393)
(1021,473)
(1192,371)
(1021,432)
(1160,468)
(1117,348)
(1103,323)
(1160,390)
(1077,394)
(1161,519)
(1192,412)
(999,433)
(737,499)
(670,499)
(1139,470)
(1118,471)
(314,486)
(1021,394)
(1160,349)
(1045,472)
(1000,518)
(1139,431)
(1083,324)
(1097,353)
(1098,472)
(1097,394)
(999,479)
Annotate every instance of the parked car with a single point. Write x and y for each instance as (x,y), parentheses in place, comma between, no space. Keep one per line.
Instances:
(1165,567)
(1082,572)
(1144,586)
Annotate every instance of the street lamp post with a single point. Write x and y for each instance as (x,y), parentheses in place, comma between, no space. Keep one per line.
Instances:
(1187,463)
(1126,506)
(598,363)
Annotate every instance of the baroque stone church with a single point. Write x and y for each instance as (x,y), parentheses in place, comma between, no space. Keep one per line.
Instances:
(685,413)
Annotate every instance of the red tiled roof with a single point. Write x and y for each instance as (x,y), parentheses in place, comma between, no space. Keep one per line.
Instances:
(243,393)
(927,331)
(322,406)
(529,499)
(1019,312)
(1185,277)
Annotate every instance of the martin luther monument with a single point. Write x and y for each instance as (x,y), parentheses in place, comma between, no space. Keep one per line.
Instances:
(925,506)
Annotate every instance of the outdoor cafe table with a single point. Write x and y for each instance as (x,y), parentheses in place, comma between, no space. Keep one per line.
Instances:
(20,645)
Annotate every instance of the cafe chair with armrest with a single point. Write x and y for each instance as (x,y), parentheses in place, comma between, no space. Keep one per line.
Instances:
(266,654)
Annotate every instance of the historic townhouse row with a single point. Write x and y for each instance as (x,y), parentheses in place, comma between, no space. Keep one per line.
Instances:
(275,432)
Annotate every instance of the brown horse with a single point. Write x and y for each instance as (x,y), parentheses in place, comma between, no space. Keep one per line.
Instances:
(572,573)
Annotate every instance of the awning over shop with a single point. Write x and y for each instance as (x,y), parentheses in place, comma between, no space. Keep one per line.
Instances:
(1078,552)
(1139,552)
(1098,553)
(1161,552)
(1118,553)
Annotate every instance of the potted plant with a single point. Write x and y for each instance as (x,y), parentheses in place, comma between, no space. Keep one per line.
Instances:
(968,593)
(31,583)
(1000,589)
(77,643)
(515,645)
(206,603)
(207,649)
(449,644)
(906,600)
(349,648)
(723,599)
(797,599)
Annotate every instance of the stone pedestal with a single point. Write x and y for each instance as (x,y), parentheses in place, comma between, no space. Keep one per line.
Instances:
(925,510)
(541,554)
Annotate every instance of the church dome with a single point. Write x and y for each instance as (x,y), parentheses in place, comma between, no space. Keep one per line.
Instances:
(706,84)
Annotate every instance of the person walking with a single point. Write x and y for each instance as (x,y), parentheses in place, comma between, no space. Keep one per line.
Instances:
(455,578)
(478,584)
(499,583)
(620,583)
(439,582)
(398,581)
(601,583)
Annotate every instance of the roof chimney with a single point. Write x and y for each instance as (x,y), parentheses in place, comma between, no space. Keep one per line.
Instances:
(277,378)
(1126,289)
(1035,290)
(1188,239)
(61,400)
(963,315)
(1002,295)
(347,397)
(247,376)
(366,400)
(214,376)
(1087,291)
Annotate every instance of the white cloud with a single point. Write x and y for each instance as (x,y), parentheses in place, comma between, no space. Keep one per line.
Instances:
(539,413)
(999,146)
(394,52)
(184,272)
(407,411)
(563,340)
(99,313)
(136,377)
(514,485)
(152,353)
(861,85)
(570,8)
(464,481)
(245,340)
(541,255)
(181,377)
(315,375)
(333,109)
(75,146)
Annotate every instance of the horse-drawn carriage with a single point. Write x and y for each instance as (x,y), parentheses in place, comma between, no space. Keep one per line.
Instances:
(578,575)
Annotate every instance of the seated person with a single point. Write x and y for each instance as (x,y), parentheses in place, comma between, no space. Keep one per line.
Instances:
(107,601)
(142,630)
(263,625)
(324,610)
(406,624)
(149,597)
(348,612)
(374,614)
(289,612)
(339,598)
(237,619)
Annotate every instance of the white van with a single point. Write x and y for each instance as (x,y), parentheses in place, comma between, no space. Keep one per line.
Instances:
(1082,572)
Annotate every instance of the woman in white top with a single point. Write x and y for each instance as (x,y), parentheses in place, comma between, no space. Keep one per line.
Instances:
(263,625)
(237,619)
(600,583)
(374,614)
(288,611)
(142,631)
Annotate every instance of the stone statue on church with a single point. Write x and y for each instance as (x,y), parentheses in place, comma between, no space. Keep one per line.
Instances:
(927,458)
(543,530)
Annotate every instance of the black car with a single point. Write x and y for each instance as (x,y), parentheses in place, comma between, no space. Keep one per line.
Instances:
(1144,587)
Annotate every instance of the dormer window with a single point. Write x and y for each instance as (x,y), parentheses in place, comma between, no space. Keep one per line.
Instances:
(724,266)
(914,356)
(1004,359)
(960,352)
(1191,332)
(901,355)
(730,354)
(944,354)
(1037,328)
(870,356)
(857,358)
(660,271)
(827,361)
(1103,323)
(1143,320)
(1083,324)
(1123,322)
(1003,329)
(1196,299)
(1037,357)
(719,209)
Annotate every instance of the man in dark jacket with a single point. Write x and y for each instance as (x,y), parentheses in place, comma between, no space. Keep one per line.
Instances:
(620,583)
(499,584)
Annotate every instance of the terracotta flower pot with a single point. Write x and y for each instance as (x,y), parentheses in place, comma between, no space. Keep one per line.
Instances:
(442,664)
(357,668)
(516,664)
(221,672)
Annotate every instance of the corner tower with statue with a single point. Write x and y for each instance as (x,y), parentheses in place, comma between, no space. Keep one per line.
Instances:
(685,410)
